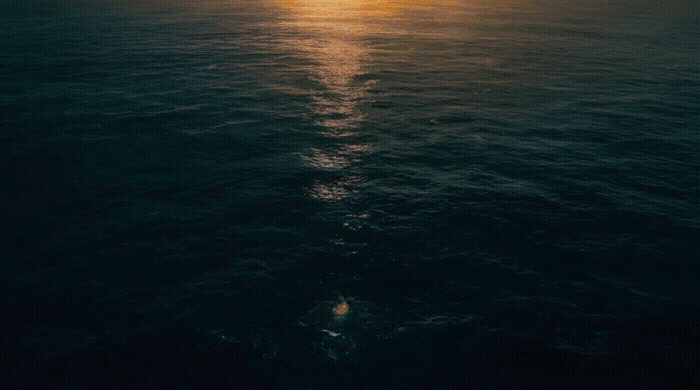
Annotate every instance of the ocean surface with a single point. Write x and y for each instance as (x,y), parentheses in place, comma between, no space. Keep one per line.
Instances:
(366,194)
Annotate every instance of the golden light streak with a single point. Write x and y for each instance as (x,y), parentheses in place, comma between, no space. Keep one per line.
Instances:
(366,7)
(333,36)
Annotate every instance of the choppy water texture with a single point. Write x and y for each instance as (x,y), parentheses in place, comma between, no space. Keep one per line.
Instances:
(505,194)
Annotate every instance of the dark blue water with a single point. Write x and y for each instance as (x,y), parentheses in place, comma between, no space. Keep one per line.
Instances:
(505,194)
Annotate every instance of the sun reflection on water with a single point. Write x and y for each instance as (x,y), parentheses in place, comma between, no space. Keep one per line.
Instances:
(335,191)
(331,36)
(331,39)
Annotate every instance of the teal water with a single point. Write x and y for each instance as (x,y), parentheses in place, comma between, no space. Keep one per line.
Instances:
(505,194)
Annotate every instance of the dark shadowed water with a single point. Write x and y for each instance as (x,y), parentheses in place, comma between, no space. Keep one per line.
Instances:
(505,194)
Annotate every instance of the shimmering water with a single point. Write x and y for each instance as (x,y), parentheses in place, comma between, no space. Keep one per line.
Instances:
(505,194)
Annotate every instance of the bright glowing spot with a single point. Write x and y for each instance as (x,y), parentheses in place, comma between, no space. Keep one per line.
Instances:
(340,7)
(341,309)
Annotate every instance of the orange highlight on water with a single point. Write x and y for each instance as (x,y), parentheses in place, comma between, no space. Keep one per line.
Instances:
(341,309)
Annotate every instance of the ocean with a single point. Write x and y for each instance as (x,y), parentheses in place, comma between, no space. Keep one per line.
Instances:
(366,194)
